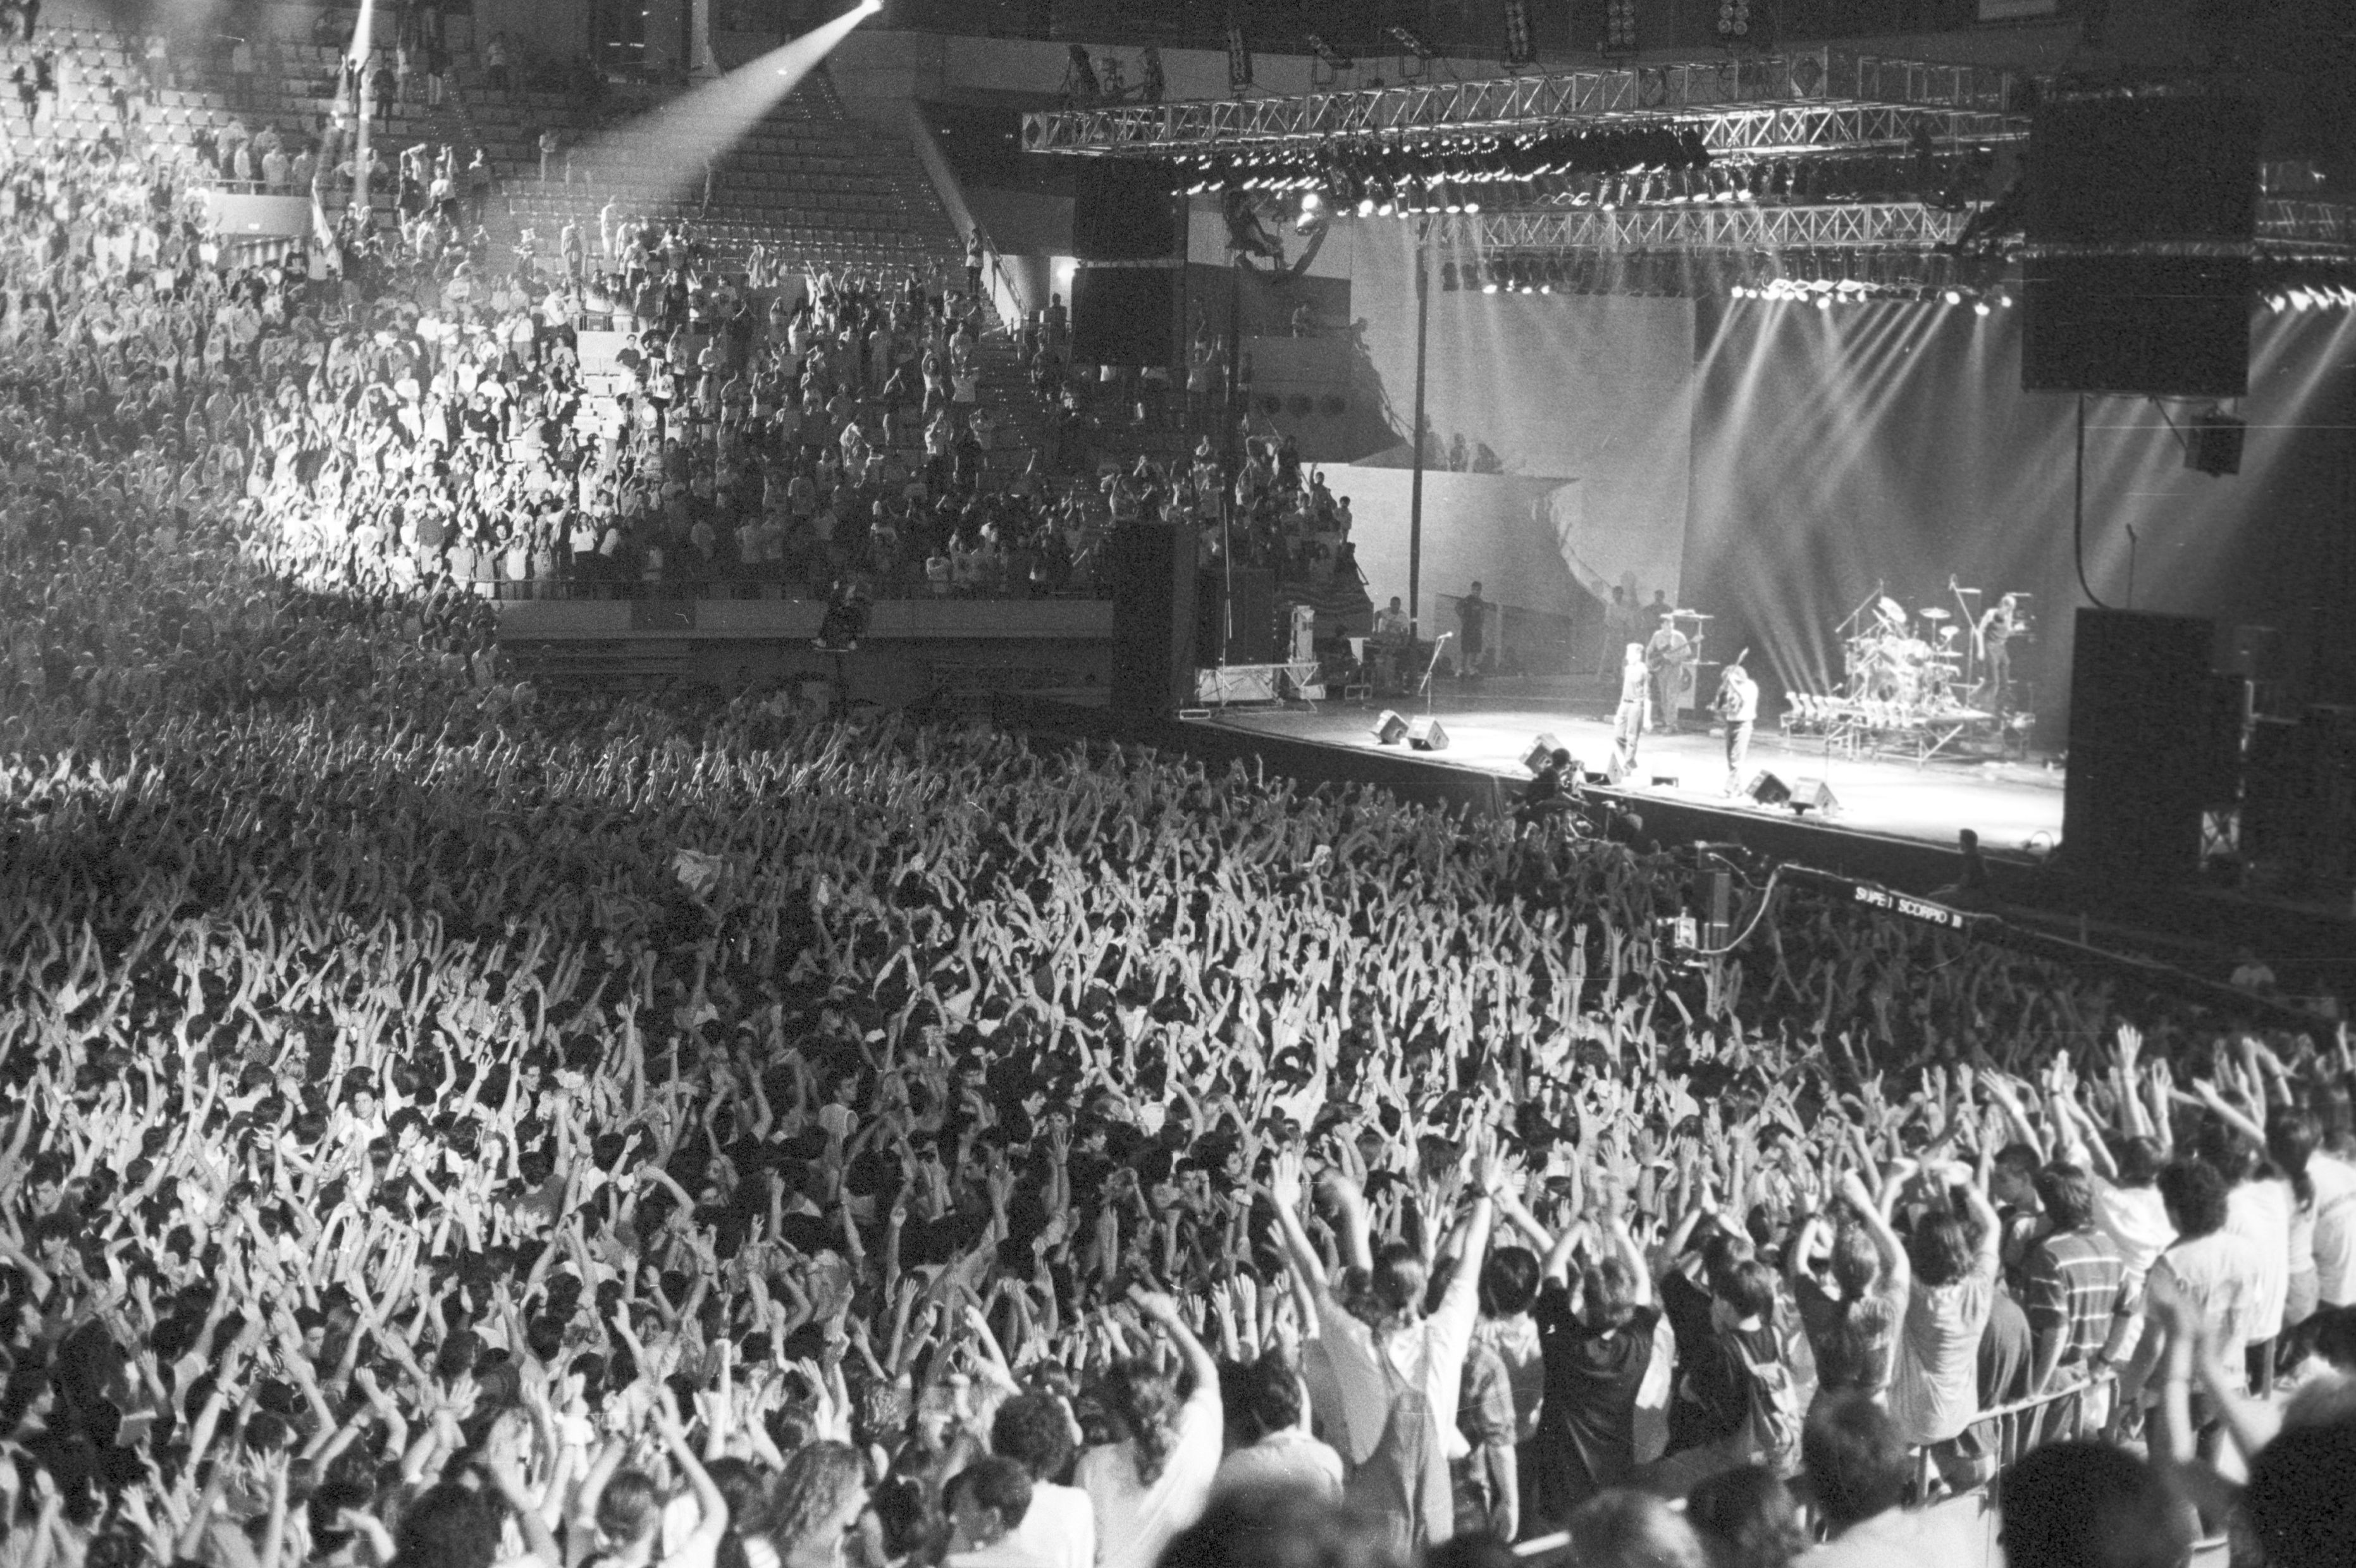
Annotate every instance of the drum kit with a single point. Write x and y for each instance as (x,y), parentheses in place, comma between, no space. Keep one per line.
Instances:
(1912,683)
(1912,662)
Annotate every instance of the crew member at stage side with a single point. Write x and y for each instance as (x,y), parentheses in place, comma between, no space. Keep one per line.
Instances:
(1997,628)
(1472,638)
(1667,656)
(1553,792)
(1737,706)
(1394,635)
(1628,721)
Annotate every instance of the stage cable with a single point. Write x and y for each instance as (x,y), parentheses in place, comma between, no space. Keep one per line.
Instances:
(1766,902)
(2078,512)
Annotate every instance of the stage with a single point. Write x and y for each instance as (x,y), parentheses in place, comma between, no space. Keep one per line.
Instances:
(2014,806)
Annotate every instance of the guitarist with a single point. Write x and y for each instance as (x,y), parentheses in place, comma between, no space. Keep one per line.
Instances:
(1666,658)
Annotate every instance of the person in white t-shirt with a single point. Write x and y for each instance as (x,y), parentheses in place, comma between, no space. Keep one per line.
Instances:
(1037,1432)
(2325,1187)
(1156,1480)
(2258,1209)
(987,1502)
(1282,1452)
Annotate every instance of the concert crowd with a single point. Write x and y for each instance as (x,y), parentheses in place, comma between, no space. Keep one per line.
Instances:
(448,1124)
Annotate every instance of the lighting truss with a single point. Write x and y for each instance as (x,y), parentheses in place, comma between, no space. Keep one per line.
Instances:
(1842,275)
(2307,225)
(1872,127)
(1893,225)
(1964,102)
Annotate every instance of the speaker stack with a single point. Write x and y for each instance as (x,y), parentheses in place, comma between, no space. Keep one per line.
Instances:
(1152,567)
(2148,746)
(2139,214)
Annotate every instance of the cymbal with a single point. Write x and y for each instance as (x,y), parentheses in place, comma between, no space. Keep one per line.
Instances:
(1933,612)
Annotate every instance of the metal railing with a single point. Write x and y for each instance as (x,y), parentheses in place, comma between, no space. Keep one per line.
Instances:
(2006,1433)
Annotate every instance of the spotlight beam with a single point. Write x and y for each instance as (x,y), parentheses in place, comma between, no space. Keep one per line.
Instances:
(708,121)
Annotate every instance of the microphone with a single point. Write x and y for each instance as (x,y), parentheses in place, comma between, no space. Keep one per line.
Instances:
(1443,637)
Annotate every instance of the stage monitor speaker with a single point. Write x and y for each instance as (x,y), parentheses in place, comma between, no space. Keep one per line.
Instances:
(1814,795)
(1251,616)
(2142,737)
(2113,172)
(2214,443)
(1122,211)
(1124,316)
(1425,735)
(1389,729)
(1541,752)
(2157,325)
(1769,791)
(1152,567)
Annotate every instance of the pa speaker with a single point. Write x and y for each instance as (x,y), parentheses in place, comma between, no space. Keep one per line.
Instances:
(2139,695)
(1153,618)
(1541,752)
(1389,729)
(1124,316)
(1425,735)
(1122,211)
(2161,325)
(1769,791)
(2111,171)
(1814,795)
(2213,444)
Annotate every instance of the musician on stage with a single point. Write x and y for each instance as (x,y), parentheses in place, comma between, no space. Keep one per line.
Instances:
(1666,656)
(1994,634)
(1737,706)
(1628,721)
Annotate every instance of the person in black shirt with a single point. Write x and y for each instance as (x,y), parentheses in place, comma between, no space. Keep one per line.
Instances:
(1472,620)
(1553,792)
(1596,1338)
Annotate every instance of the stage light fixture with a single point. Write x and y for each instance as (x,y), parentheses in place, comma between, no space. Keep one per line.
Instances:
(1979,308)
(1365,207)
(1311,202)
(1619,26)
(1953,296)
(1332,58)
(1520,49)
(1412,42)
(1824,302)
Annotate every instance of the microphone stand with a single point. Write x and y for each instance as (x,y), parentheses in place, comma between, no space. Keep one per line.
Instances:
(1430,669)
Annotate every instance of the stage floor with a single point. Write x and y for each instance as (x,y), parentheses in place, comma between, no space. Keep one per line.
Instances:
(2015,807)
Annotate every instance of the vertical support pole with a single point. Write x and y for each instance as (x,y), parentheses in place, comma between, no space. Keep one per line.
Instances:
(1414,490)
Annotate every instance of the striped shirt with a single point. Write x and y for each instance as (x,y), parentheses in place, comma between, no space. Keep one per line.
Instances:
(2076,1284)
